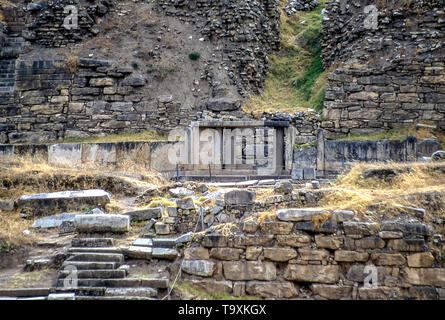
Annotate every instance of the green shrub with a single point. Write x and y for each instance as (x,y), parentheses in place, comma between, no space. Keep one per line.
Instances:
(194,56)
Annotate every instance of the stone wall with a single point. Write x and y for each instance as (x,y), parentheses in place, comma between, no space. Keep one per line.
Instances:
(318,254)
(44,24)
(98,98)
(246,31)
(388,71)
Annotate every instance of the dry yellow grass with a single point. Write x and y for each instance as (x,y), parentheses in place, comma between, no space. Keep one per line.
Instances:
(410,185)
(12,228)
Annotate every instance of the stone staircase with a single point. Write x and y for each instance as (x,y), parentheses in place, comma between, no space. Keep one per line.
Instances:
(102,275)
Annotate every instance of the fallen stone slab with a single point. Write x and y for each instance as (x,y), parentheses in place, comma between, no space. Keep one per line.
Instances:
(239,197)
(144,214)
(143,242)
(305,214)
(54,221)
(181,192)
(52,203)
(164,253)
(102,223)
(138,252)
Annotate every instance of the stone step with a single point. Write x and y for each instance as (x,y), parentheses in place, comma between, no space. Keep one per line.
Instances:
(94,250)
(88,298)
(82,291)
(158,283)
(24,292)
(132,292)
(80,265)
(164,242)
(97,257)
(164,253)
(95,274)
(92,242)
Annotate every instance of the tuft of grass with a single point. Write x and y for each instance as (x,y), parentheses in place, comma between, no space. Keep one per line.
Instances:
(160,201)
(194,56)
(401,134)
(189,289)
(296,80)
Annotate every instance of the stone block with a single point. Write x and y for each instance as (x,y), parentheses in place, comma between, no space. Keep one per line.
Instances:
(313,254)
(421,260)
(249,270)
(274,289)
(361,228)
(203,268)
(328,242)
(425,276)
(304,214)
(239,197)
(279,254)
(351,256)
(252,253)
(312,273)
(388,259)
(225,253)
(293,240)
(277,227)
(196,253)
(102,223)
(332,292)
(212,286)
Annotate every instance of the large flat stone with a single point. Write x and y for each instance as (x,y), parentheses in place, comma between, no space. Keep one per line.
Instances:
(145,214)
(203,268)
(361,228)
(54,221)
(304,214)
(102,223)
(280,254)
(250,270)
(239,197)
(56,202)
(425,276)
(212,286)
(312,273)
(272,289)
(332,292)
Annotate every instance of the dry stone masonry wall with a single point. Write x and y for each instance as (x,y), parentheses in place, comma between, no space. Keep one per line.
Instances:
(389,59)
(314,253)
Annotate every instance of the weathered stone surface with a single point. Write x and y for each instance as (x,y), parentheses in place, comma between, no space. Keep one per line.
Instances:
(357,273)
(203,268)
(138,252)
(425,276)
(378,293)
(196,253)
(313,254)
(102,223)
(332,292)
(361,228)
(327,227)
(293,240)
(406,244)
(279,254)
(54,221)
(312,273)
(251,240)
(283,187)
(214,240)
(180,192)
(408,228)
(239,197)
(225,253)
(165,253)
(388,259)
(186,204)
(47,203)
(421,260)
(252,253)
(342,215)
(370,243)
(351,256)
(162,228)
(390,235)
(328,242)
(304,214)
(145,214)
(276,227)
(212,286)
(250,270)
(279,290)
(250,226)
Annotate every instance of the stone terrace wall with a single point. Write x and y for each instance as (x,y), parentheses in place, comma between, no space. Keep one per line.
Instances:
(333,258)
(247,31)
(388,76)
(99,98)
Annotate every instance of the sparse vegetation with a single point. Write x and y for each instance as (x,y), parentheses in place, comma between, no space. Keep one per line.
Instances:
(296,80)
(194,56)
(148,135)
